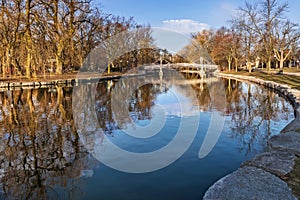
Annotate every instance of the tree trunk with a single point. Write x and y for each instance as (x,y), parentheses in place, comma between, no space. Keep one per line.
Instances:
(109,66)
(236,63)
(58,58)
(229,60)
(28,65)
(58,38)
(8,60)
(281,60)
(269,65)
(72,51)
(28,39)
(3,67)
(59,65)
(249,67)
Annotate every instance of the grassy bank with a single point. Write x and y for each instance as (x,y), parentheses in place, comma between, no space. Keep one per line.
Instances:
(292,80)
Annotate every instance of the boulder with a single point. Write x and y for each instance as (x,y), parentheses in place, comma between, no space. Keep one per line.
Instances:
(249,183)
(279,163)
(293,126)
(289,142)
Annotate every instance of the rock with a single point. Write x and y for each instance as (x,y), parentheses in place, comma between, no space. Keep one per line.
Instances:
(249,183)
(297,111)
(278,163)
(293,126)
(289,142)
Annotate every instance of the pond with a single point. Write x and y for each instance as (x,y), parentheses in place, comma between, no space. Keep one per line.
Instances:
(45,154)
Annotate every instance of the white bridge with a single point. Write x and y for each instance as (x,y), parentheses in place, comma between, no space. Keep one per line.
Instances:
(183,67)
(194,74)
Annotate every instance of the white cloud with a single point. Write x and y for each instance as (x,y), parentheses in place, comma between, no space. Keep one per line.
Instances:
(185,26)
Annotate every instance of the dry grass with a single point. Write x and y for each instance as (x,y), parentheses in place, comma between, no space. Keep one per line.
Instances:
(292,70)
(293,179)
(291,80)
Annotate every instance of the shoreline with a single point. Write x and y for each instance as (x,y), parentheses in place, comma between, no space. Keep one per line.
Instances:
(265,176)
(58,80)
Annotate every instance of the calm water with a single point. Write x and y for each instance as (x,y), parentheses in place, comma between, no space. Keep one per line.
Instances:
(43,156)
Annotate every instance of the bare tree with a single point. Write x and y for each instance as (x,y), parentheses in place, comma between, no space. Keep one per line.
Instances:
(248,38)
(124,38)
(263,20)
(62,19)
(10,33)
(286,36)
(235,46)
(40,36)
(88,35)
(227,46)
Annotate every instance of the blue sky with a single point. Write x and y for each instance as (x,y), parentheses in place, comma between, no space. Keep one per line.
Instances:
(183,16)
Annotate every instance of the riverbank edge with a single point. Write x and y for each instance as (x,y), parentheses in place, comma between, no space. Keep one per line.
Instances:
(74,80)
(223,188)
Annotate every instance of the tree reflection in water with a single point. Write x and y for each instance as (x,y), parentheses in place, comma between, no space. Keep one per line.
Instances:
(40,149)
(252,109)
(41,153)
(140,101)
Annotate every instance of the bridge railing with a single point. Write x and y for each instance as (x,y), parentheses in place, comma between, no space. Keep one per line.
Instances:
(184,66)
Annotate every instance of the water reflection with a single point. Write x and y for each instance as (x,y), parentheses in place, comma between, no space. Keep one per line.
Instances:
(252,110)
(136,108)
(41,155)
(40,149)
